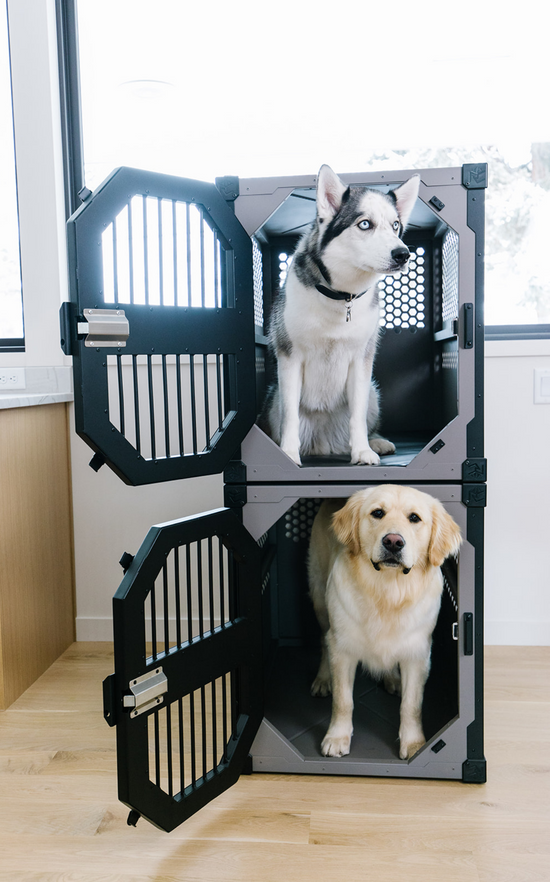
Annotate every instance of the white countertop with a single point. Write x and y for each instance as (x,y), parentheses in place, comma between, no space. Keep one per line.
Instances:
(44,385)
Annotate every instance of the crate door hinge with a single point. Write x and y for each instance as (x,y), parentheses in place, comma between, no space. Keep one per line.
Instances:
(104,327)
(146,691)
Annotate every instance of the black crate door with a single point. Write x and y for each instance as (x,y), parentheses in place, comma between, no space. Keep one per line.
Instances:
(186,695)
(160,326)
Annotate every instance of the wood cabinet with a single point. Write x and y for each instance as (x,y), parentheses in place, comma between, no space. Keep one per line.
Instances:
(36,549)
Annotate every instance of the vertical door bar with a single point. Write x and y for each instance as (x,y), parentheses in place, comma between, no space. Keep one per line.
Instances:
(130,253)
(145,251)
(151,406)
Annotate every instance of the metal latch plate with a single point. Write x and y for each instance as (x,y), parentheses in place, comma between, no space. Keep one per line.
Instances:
(104,327)
(147,692)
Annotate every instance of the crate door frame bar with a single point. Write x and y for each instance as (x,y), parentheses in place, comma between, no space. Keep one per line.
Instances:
(232,649)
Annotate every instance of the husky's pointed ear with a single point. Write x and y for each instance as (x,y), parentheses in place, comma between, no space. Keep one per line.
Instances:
(445,538)
(405,197)
(330,191)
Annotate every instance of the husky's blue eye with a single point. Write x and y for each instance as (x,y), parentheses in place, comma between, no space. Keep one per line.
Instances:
(396,225)
(364,225)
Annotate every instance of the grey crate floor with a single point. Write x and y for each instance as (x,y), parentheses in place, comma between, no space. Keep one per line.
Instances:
(303,720)
(405,452)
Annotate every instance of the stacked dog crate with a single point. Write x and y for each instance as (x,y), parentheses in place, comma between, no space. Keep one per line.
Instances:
(215,641)
(429,368)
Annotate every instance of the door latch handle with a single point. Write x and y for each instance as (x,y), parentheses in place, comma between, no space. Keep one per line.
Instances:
(104,328)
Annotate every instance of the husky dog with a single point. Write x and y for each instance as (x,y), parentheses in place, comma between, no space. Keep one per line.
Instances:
(324,327)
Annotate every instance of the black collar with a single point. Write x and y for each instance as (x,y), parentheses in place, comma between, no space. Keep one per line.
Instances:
(338,295)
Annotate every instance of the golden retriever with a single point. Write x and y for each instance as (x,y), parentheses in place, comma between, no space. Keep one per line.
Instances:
(375,582)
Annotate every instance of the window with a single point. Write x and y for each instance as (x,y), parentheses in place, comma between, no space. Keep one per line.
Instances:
(11,300)
(206,90)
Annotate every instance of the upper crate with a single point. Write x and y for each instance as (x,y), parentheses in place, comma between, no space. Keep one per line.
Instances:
(429,364)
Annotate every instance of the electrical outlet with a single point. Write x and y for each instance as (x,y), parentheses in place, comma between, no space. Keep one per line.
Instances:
(12,378)
(542,386)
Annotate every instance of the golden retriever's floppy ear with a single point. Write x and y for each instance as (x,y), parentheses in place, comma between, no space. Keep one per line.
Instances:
(345,523)
(445,538)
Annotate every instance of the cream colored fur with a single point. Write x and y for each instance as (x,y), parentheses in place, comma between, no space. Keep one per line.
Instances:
(374,612)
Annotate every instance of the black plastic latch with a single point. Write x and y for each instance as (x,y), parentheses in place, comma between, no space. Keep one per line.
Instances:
(67,326)
(438,205)
(468,329)
(475,175)
(474,771)
(109,700)
(435,448)
(468,620)
(235,472)
(234,495)
(439,745)
(228,187)
(84,194)
(126,560)
(474,495)
(97,461)
(474,469)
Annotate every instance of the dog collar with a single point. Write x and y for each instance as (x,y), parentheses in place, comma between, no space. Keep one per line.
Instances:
(340,295)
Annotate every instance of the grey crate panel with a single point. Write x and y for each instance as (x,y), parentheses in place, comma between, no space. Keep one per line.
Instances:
(430,377)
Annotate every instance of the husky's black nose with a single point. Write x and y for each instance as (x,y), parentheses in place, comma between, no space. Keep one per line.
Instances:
(393,542)
(400,255)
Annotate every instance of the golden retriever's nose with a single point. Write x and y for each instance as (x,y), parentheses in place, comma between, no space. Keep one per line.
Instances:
(393,542)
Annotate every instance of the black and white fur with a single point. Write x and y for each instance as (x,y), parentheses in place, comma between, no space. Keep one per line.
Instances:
(324,401)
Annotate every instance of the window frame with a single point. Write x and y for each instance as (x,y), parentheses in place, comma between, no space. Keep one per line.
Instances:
(70,101)
(14,344)
(517,332)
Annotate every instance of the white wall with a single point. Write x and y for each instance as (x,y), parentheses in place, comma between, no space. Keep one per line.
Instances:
(35,88)
(111,518)
(517,574)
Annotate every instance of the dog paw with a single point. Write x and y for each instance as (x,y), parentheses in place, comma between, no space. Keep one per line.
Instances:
(320,687)
(336,745)
(407,749)
(382,446)
(365,457)
(293,453)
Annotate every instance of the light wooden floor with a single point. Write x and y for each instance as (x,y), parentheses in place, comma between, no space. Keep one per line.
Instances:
(60,819)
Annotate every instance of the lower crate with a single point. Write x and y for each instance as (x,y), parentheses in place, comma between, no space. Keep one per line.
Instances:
(294,721)
(216,645)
